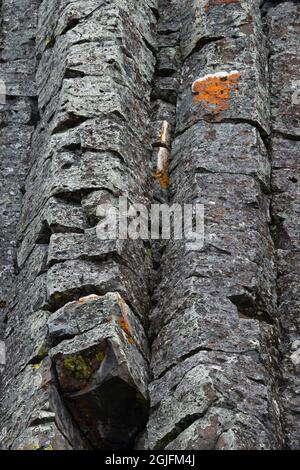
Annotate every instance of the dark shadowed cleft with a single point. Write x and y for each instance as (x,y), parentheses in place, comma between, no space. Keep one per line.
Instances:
(110,416)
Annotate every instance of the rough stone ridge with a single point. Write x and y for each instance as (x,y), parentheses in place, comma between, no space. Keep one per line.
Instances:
(149,344)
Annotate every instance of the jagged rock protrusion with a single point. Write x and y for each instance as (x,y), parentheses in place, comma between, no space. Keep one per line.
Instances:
(101,361)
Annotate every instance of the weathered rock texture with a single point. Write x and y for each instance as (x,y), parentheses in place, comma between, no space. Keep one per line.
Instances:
(117,344)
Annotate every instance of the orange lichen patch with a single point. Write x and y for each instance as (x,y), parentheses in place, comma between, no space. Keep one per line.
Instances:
(88,298)
(161,173)
(123,321)
(214,90)
(164,180)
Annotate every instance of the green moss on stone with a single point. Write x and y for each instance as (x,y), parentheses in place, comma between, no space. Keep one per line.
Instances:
(78,366)
(42,351)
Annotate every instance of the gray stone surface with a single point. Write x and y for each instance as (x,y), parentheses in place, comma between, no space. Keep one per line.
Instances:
(91,312)
(284,67)
(227,148)
(248,98)
(65,247)
(202,404)
(214,323)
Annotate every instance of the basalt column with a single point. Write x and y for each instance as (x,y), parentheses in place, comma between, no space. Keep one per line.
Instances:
(77,354)
(214,323)
(17,118)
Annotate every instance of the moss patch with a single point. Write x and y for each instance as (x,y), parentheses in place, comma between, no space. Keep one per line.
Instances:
(78,366)
(48,447)
(42,351)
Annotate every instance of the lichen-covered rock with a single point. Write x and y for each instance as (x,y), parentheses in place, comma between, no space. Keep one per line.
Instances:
(102,372)
(40,418)
(73,279)
(93,311)
(285,108)
(285,93)
(206,324)
(63,247)
(206,148)
(17,116)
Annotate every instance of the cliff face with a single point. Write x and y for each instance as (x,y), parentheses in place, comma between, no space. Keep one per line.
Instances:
(117,344)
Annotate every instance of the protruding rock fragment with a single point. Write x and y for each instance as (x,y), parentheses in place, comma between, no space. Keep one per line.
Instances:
(101,371)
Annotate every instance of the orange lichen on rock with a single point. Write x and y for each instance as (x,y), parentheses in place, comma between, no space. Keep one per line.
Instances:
(161,173)
(123,321)
(214,90)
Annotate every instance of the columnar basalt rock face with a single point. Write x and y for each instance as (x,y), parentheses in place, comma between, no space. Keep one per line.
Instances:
(117,344)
